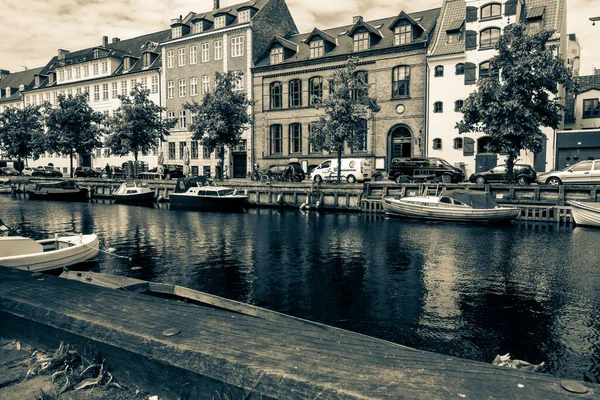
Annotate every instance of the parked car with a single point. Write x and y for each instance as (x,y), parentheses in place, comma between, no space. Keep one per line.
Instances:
(584,172)
(523,173)
(46,170)
(27,171)
(353,170)
(8,171)
(86,172)
(424,169)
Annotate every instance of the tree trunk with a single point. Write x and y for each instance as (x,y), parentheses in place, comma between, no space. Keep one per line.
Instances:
(19,164)
(339,159)
(71,163)
(223,162)
(135,158)
(510,166)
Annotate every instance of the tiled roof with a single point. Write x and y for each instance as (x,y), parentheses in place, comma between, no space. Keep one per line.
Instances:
(455,25)
(552,10)
(16,79)
(452,13)
(584,83)
(426,19)
(535,12)
(231,10)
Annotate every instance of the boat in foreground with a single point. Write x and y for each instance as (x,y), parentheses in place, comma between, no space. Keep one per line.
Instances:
(197,194)
(61,190)
(47,254)
(134,192)
(5,187)
(452,205)
(585,213)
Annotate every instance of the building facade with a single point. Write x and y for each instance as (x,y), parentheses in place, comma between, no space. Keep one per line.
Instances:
(296,69)
(463,45)
(202,44)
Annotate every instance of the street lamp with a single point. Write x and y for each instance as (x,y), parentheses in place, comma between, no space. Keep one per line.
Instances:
(594,19)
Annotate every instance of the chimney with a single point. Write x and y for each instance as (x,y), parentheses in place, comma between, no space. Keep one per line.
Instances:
(4,73)
(62,53)
(116,40)
(356,18)
(104,41)
(217,5)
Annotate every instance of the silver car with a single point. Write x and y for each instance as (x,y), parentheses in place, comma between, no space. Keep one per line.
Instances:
(584,172)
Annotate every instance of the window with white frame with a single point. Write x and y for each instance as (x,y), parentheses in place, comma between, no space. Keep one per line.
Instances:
(317,48)
(205,52)
(238,84)
(193,86)
(96,92)
(95,68)
(193,55)
(198,27)
(77,72)
(123,88)
(172,145)
(220,22)
(181,56)
(154,84)
(115,90)
(86,70)
(177,32)
(104,66)
(276,54)
(78,91)
(403,34)
(105,91)
(244,16)
(171,89)
(182,86)
(205,84)
(61,75)
(218,49)
(237,46)
(69,73)
(170,59)
(182,120)
(437,144)
(361,41)
(144,82)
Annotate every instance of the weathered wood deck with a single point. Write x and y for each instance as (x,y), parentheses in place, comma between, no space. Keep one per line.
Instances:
(260,357)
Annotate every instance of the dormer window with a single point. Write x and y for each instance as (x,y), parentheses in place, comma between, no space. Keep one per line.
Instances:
(535,19)
(198,27)
(276,54)
(127,64)
(147,59)
(361,41)
(453,37)
(244,16)
(176,31)
(403,34)
(37,80)
(96,53)
(491,11)
(220,22)
(317,48)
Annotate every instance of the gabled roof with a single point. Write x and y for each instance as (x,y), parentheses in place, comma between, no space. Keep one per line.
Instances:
(585,83)
(405,16)
(228,11)
(362,24)
(283,42)
(15,80)
(453,12)
(317,32)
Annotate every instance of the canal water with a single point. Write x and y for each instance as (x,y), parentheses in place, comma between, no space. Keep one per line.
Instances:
(461,290)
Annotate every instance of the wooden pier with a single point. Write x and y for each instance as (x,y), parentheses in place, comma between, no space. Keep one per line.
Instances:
(219,348)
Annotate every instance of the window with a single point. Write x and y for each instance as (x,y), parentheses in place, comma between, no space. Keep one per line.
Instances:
(295,138)
(276,139)
(193,86)
(470,40)
(458,143)
(171,115)
(315,90)
(123,88)
(244,16)
(181,56)
(193,54)
(182,120)
(591,108)
(439,71)
(363,77)
(486,70)
(206,152)
(194,150)
(144,82)
(534,25)
(77,72)
(276,54)
(104,66)
(205,52)
(453,37)
(127,63)
(276,97)
(403,34)
(470,73)
(489,37)
(78,91)
(182,87)
(360,143)
(295,93)
(582,166)
(437,144)
(317,48)
(95,71)
(147,59)
(239,82)
(170,59)
(86,70)
(237,46)
(312,147)
(205,84)
(401,81)
(491,11)
(220,22)
(176,32)
(61,75)
(361,41)
(115,90)
(218,49)
(69,73)
(171,150)
(96,92)
(197,28)
(438,107)
(171,89)
(458,104)
(460,69)
(154,84)
(471,14)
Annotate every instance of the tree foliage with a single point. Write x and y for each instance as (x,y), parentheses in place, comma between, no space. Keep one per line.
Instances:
(137,125)
(346,109)
(512,110)
(22,132)
(222,117)
(73,127)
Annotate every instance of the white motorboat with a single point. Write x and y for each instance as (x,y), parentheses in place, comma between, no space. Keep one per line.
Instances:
(197,194)
(5,187)
(585,213)
(452,205)
(134,192)
(44,255)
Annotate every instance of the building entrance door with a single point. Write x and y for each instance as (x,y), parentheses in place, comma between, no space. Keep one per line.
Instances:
(485,162)
(240,168)
(401,143)
(85,160)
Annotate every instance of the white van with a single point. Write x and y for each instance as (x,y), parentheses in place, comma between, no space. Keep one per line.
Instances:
(353,170)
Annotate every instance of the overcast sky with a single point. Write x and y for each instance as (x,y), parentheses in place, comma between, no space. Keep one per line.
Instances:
(31,31)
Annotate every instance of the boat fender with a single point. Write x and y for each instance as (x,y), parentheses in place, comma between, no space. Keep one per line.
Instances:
(234,192)
(318,205)
(302,206)
(245,192)
(279,199)
(307,199)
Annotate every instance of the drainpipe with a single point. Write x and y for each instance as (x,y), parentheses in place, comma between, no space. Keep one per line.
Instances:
(426,105)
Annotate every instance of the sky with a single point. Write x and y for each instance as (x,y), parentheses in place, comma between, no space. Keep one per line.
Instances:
(32,31)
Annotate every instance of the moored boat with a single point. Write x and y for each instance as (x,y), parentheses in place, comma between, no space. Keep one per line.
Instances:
(197,194)
(44,255)
(585,213)
(134,192)
(452,205)
(61,190)
(5,187)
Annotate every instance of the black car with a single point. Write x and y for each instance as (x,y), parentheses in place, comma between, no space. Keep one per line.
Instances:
(46,170)
(424,169)
(524,174)
(87,172)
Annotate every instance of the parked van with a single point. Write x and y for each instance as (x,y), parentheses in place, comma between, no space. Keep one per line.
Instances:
(353,170)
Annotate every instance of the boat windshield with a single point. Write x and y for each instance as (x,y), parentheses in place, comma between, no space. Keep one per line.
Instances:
(225,192)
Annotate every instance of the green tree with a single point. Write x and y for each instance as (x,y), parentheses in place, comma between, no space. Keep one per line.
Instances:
(512,109)
(346,110)
(222,116)
(22,132)
(73,127)
(137,126)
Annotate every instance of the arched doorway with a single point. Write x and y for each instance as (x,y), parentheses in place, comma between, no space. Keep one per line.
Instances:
(483,144)
(400,142)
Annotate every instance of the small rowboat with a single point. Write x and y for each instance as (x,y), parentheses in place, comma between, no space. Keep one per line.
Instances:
(44,255)
(585,213)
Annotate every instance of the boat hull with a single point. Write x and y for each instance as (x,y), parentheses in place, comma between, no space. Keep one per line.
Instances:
(5,190)
(234,203)
(399,208)
(585,213)
(146,197)
(79,194)
(84,247)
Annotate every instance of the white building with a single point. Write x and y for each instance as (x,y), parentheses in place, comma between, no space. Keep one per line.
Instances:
(459,54)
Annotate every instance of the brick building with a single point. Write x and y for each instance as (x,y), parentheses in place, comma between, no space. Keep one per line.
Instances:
(392,58)
(220,40)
